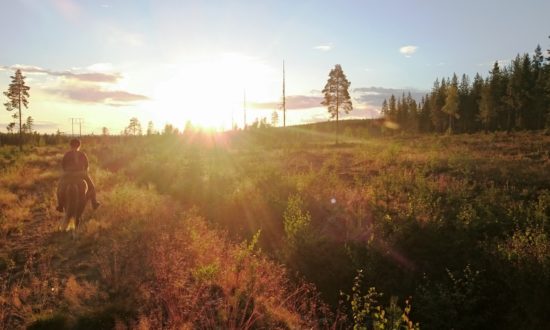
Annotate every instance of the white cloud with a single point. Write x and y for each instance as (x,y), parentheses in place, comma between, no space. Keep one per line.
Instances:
(324,47)
(408,51)
(101,67)
(86,76)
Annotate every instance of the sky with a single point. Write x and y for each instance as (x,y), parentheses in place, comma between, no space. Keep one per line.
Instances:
(171,61)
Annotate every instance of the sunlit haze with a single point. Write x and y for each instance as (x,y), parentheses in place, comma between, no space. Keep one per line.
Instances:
(178,61)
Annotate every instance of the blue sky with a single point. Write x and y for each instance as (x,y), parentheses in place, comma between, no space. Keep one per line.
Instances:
(152,47)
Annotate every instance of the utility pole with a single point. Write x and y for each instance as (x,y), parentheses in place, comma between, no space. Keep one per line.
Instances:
(284,96)
(77,121)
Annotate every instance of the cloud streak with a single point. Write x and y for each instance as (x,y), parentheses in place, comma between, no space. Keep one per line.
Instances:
(293,102)
(408,51)
(95,94)
(323,47)
(96,77)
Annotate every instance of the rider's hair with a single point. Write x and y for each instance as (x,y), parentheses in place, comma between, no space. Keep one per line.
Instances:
(75,143)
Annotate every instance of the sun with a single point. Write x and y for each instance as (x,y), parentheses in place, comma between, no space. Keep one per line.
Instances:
(210,92)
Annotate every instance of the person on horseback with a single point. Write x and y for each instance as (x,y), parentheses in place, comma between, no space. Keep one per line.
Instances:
(75,166)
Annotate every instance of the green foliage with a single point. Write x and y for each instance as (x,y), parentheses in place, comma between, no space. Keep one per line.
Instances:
(296,222)
(457,301)
(514,97)
(468,211)
(368,313)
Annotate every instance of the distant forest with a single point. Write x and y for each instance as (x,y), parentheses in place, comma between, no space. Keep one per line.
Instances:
(514,97)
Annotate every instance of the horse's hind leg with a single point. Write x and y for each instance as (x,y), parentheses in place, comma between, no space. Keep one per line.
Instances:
(64,222)
(77,224)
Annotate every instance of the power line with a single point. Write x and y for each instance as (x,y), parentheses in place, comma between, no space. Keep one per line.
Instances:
(78,121)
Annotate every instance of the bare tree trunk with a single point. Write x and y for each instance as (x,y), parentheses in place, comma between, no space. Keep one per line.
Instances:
(337,104)
(20,125)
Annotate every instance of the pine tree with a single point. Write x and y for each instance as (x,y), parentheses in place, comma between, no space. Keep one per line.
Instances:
(134,127)
(392,109)
(104,131)
(539,97)
(274,119)
(336,94)
(425,123)
(497,90)
(451,105)
(384,111)
(486,108)
(10,128)
(438,97)
(477,86)
(150,128)
(17,95)
(514,97)
(464,103)
(412,115)
(29,124)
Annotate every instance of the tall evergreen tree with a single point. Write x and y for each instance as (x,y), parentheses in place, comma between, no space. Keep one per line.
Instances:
(10,128)
(385,109)
(486,108)
(150,128)
(30,124)
(464,104)
(425,123)
(475,94)
(438,97)
(451,105)
(539,97)
(134,128)
(336,94)
(497,90)
(274,119)
(514,98)
(392,109)
(17,94)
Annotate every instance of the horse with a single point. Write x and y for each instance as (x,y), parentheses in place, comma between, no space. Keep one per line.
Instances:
(75,202)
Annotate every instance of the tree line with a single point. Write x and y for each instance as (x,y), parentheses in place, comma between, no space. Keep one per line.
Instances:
(513,97)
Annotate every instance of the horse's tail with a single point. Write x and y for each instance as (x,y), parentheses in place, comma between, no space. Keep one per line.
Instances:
(75,198)
(71,200)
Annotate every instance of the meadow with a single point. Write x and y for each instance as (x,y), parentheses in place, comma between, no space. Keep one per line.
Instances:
(284,228)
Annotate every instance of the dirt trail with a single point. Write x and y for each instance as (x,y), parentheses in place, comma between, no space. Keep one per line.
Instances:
(37,258)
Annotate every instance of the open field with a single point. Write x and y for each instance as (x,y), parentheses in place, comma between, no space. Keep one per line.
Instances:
(205,231)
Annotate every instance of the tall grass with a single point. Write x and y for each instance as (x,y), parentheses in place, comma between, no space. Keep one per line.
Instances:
(409,210)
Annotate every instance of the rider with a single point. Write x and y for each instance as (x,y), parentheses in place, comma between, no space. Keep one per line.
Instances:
(75,165)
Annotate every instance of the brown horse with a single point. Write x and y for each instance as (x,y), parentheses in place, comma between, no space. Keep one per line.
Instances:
(75,202)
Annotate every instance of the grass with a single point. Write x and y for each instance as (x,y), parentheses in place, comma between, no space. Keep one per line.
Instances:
(202,231)
(141,261)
